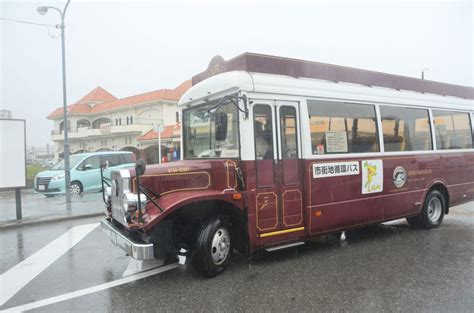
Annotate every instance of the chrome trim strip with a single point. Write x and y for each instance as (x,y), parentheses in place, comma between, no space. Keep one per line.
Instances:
(134,249)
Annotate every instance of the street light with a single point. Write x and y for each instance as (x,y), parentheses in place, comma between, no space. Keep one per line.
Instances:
(42,11)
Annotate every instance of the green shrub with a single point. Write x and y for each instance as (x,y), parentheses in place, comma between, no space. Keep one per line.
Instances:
(33,169)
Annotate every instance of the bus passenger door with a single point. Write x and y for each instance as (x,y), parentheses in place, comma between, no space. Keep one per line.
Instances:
(279,207)
(289,170)
(266,187)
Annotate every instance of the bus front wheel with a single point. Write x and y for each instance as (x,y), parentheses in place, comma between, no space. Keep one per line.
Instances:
(432,213)
(213,248)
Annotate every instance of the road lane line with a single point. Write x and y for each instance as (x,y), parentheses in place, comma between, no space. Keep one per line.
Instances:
(86,291)
(136,266)
(21,274)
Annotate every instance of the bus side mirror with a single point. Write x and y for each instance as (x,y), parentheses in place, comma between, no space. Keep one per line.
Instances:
(140,167)
(221,126)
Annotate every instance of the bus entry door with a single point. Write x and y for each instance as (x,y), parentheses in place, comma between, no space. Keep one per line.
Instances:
(279,198)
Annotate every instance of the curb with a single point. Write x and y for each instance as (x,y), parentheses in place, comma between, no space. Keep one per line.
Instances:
(39,221)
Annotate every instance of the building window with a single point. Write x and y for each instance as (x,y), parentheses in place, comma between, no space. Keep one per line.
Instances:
(127,120)
(103,120)
(131,119)
(339,127)
(120,121)
(177,117)
(452,129)
(83,123)
(405,129)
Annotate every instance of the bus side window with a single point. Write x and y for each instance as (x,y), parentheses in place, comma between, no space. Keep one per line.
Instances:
(405,129)
(263,132)
(452,129)
(288,132)
(339,127)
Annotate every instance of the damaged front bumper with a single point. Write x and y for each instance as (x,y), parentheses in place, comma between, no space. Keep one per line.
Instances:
(139,251)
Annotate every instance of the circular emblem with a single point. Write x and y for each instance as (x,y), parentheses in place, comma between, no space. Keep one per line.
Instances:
(399,176)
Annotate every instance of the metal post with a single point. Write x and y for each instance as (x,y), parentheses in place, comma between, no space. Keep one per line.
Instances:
(159,145)
(66,122)
(67,179)
(18,203)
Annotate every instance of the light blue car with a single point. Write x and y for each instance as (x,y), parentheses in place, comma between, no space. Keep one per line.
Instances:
(85,172)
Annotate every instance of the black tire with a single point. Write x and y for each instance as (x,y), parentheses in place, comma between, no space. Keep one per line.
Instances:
(76,186)
(213,247)
(432,213)
(414,221)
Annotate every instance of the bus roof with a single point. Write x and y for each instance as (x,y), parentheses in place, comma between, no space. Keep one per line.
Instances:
(259,63)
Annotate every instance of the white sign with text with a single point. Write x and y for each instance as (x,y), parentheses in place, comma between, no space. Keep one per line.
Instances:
(322,170)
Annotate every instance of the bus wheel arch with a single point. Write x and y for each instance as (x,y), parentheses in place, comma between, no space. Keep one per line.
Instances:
(190,218)
(444,191)
(434,208)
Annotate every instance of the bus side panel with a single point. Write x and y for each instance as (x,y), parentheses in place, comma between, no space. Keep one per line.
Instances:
(335,203)
(405,200)
(458,170)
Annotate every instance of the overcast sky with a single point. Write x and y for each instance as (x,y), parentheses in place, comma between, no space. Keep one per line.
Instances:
(131,47)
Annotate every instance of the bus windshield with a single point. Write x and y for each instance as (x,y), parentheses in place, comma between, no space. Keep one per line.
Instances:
(199,138)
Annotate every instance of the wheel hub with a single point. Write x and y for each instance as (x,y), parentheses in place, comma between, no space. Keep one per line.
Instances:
(434,209)
(220,246)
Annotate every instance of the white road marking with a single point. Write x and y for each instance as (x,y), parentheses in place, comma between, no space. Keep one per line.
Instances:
(86,291)
(136,266)
(21,274)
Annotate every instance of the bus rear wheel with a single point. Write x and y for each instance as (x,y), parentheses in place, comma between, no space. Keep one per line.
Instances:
(432,213)
(213,248)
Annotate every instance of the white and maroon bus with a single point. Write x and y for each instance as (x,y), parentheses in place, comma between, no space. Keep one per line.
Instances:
(276,151)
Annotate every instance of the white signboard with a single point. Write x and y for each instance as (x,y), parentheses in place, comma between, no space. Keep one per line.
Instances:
(372,176)
(321,170)
(336,141)
(12,153)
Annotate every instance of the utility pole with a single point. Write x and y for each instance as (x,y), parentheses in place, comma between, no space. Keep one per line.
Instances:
(423,73)
(43,10)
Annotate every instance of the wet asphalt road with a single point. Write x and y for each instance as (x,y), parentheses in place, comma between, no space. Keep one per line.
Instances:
(388,267)
(36,206)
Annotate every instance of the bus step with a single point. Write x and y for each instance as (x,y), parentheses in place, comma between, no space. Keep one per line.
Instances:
(288,245)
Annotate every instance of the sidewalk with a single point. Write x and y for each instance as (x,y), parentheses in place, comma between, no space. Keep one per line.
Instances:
(37,208)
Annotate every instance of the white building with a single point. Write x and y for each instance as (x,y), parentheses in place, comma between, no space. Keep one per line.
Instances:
(101,122)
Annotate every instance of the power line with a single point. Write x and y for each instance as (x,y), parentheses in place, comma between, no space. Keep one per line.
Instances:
(25,22)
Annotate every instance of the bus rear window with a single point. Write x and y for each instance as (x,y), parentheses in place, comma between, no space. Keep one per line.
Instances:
(405,129)
(452,129)
(338,127)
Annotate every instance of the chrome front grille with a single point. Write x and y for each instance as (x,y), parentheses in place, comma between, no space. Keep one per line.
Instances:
(120,186)
(43,181)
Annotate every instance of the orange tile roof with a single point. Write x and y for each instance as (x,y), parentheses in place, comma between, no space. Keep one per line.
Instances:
(106,101)
(97,94)
(169,132)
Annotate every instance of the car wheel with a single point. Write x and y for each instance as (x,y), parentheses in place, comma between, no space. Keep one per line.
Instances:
(76,188)
(213,248)
(432,213)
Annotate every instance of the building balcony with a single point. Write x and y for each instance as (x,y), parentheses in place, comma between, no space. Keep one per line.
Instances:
(105,130)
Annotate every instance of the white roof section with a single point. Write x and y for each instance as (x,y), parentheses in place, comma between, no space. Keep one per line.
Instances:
(274,85)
